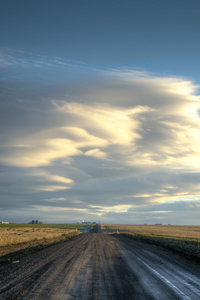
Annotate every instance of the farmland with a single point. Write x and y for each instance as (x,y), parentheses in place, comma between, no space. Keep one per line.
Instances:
(56,226)
(15,237)
(184,240)
(163,230)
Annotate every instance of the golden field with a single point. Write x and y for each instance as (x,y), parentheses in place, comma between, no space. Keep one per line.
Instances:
(11,236)
(183,240)
(163,230)
(14,239)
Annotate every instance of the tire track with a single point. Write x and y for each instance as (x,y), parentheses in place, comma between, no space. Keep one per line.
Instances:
(97,266)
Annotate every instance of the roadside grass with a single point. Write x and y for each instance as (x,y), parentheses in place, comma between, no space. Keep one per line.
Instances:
(14,237)
(91,228)
(164,230)
(13,253)
(58,226)
(184,240)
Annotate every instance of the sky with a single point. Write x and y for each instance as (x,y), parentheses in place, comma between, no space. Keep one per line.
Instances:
(99,111)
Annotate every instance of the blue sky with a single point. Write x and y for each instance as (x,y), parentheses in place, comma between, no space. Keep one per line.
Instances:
(99,111)
(161,36)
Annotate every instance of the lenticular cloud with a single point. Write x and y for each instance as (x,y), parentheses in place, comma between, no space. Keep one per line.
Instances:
(126,142)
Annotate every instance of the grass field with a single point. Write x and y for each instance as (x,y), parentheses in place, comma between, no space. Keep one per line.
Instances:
(14,237)
(184,240)
(58,226)
(180,239)
(163,230)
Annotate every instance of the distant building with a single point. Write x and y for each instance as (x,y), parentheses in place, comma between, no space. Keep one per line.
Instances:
(3,222)
(35,222)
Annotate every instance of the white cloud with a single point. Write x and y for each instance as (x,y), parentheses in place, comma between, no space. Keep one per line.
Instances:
(116,209)
(130,141)
(96,153)
(52,188)
(39,154)
(23,59)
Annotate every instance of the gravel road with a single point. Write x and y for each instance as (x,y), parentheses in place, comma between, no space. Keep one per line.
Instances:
(100,266)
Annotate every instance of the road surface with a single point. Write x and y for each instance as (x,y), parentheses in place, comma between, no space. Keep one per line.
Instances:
(100,266)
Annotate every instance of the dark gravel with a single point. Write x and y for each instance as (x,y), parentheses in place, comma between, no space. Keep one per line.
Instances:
(100,266)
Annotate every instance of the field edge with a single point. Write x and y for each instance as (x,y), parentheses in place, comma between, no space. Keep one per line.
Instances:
(14,253)
(188,249)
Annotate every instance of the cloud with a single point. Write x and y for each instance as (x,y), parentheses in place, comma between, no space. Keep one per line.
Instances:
(38,154)
(96,153)
(114,148)
(10,57)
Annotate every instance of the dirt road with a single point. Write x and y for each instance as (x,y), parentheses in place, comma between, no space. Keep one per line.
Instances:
(99,266)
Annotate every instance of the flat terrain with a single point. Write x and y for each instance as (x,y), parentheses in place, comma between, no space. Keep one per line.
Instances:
(164,230)
(100,266)
(13,239)
(20,235)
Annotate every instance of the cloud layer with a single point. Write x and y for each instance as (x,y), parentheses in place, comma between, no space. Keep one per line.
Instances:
(123,149)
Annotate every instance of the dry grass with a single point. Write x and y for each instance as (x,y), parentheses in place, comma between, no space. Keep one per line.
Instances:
(21,241)
(12,236)
(184,240)
(163,230)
